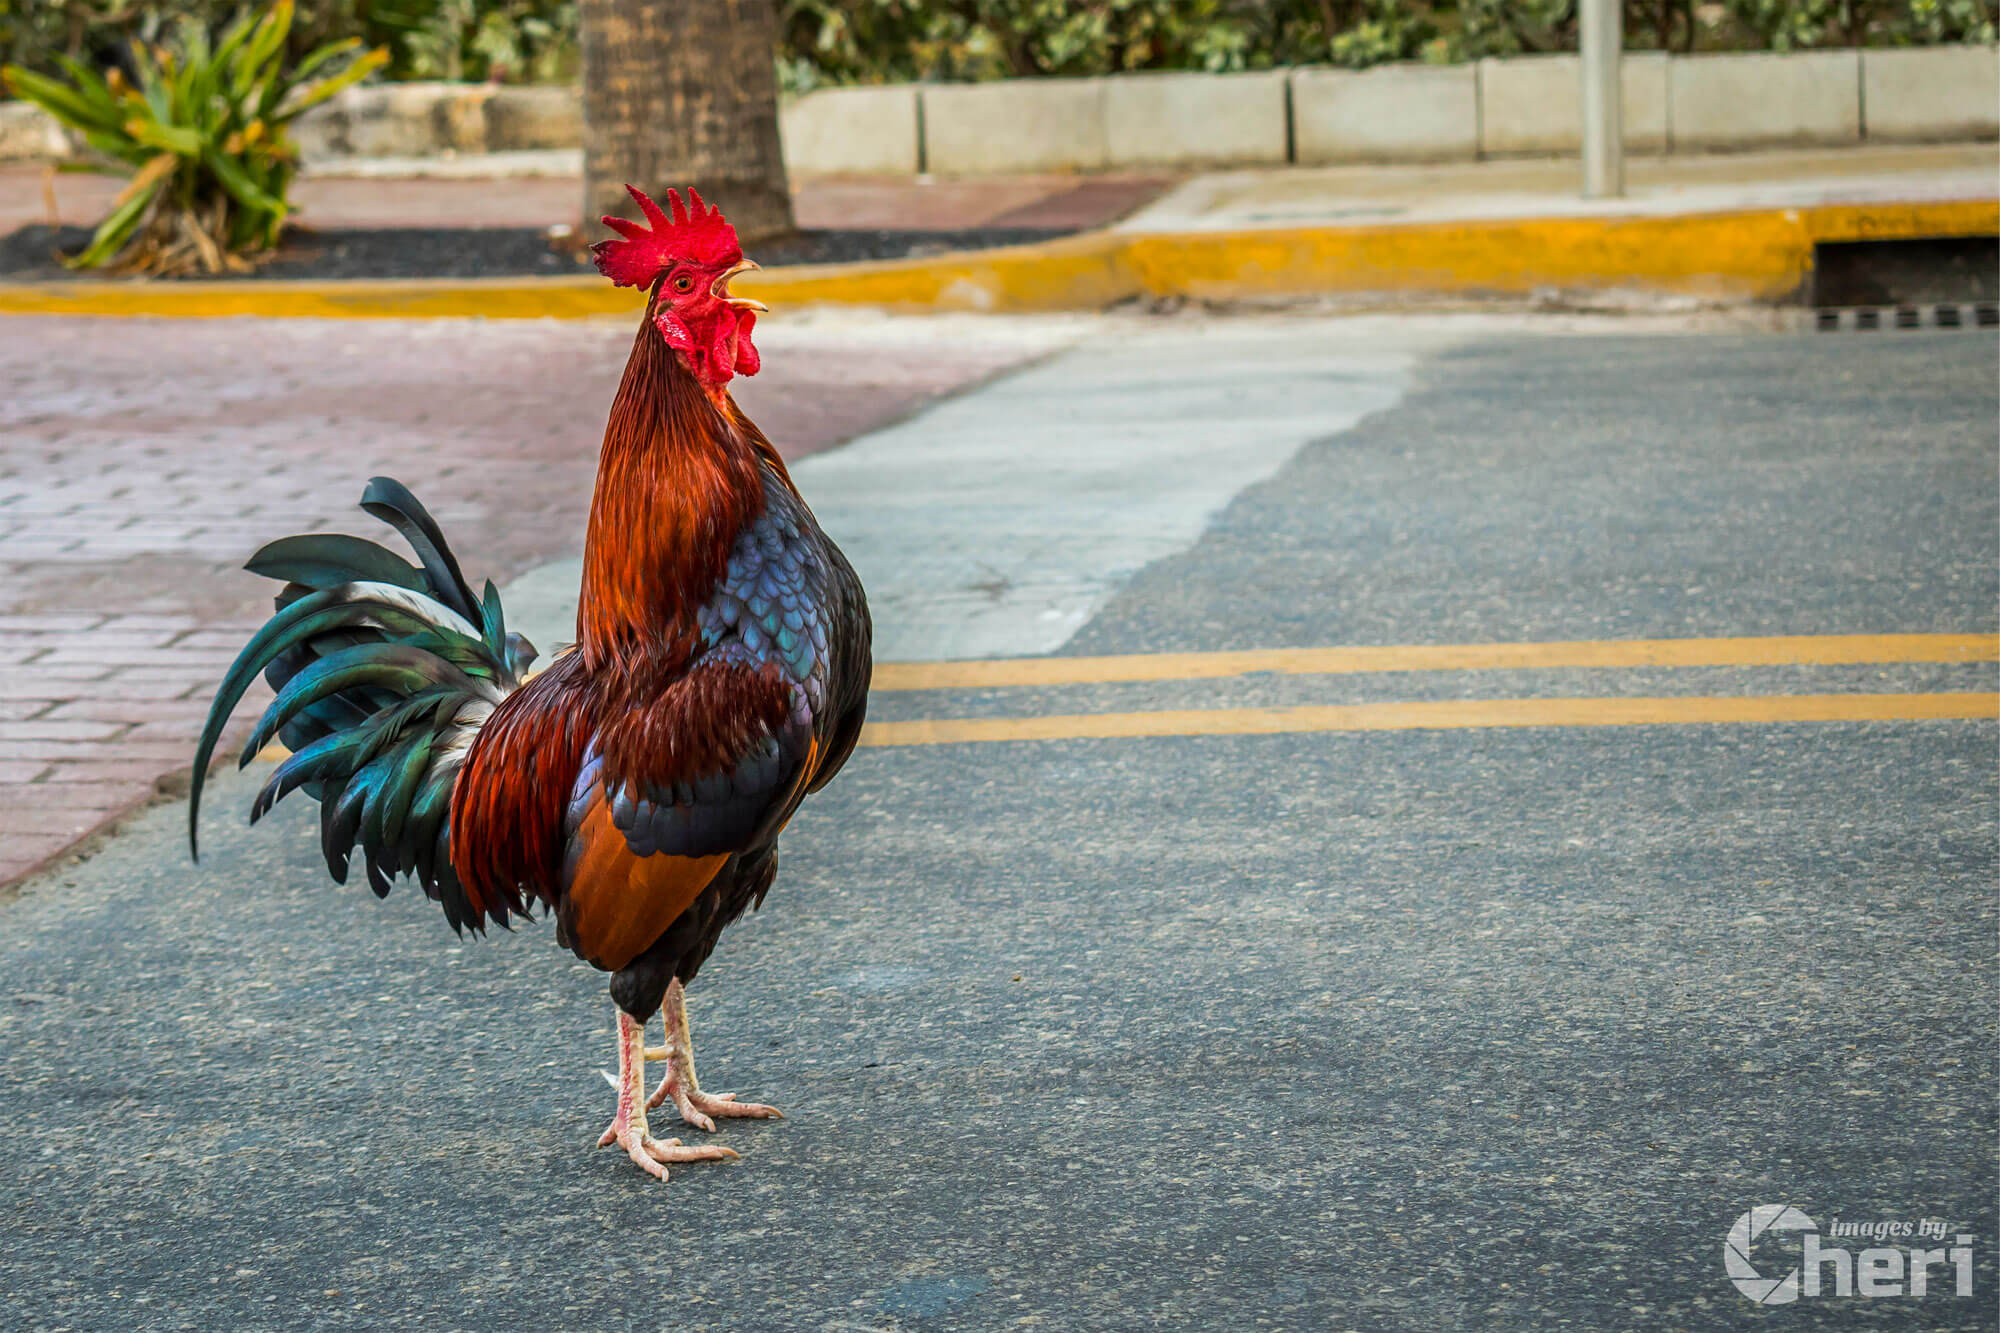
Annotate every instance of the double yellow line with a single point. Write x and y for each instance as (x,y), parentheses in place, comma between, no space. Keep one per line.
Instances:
(1812,650)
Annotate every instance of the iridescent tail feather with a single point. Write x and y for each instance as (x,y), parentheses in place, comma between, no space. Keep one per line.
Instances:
(384,672)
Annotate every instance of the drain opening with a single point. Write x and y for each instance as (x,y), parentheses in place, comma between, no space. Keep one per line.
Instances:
(1951,270)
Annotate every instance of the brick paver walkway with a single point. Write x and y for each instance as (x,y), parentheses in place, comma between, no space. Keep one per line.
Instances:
(141,461)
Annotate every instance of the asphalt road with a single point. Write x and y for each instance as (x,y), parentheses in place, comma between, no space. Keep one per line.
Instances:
(1390,1030)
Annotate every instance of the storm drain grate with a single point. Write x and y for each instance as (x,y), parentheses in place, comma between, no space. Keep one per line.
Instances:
(1937,315)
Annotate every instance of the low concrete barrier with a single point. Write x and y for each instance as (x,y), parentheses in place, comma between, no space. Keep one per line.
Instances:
(1392,113)
(533,119)
(1532,105)
(1195,120)
(858,131)
(398,120)
(1526,105)
(1763,101)
(982,129)
(1931,93)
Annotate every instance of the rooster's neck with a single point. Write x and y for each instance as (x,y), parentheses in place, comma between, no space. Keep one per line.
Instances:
(677,480)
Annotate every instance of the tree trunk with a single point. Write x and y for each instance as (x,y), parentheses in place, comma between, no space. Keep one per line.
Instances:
(678,93)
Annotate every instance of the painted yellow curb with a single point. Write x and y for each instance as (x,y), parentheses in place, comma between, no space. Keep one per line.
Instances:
(1753,255)
(416,298)
(1760,255)
(1085,272)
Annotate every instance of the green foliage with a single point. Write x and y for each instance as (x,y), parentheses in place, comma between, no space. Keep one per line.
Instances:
(888,41)
(500,41)
(200,128)
(509,41)
(1784,25)
(874,41)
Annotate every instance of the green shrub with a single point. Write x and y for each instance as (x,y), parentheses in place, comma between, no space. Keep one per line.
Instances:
(499,41)
(506,41)
(880,41)
(889,41)
(201,132)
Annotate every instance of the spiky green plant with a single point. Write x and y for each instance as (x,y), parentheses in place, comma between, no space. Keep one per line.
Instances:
(202,134)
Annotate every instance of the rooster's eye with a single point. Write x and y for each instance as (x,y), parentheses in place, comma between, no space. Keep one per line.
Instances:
(684,283)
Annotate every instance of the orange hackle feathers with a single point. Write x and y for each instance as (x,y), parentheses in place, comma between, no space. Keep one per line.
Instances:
(676,482)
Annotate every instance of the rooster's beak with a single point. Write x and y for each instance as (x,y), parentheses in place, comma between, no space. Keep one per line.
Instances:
(720,289)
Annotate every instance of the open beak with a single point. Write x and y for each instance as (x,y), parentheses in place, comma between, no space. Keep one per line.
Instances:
(720,289)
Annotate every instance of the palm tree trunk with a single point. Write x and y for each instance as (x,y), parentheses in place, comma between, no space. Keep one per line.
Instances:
(684,92)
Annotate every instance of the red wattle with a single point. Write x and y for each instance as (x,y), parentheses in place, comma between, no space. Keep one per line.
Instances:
(676,333)
(722,353)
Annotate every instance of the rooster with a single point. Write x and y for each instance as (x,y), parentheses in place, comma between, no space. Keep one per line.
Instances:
(637,787)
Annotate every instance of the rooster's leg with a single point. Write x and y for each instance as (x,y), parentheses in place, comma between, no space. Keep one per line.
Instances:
(697,1107)
(628,1129)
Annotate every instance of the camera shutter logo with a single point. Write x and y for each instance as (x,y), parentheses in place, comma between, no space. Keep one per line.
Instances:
(1758,1286)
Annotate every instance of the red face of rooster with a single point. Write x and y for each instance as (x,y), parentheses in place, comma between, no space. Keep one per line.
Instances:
(691,256)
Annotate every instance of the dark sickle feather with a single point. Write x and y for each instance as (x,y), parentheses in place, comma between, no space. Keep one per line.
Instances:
(391,501)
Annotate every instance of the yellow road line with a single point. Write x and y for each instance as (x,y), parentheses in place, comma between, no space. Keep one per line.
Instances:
(1444,714)
(1796,650)
(1792,650)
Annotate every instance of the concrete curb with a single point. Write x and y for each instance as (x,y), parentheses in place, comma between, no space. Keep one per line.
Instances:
(1744,256)
(1736,257)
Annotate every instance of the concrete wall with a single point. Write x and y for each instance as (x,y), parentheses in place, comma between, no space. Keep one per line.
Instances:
(1931,93)
(1194,120)
(979,129)
(1393,113)
(527,119)
(1530,105)
(398,120)
(853,131)
(1762,101)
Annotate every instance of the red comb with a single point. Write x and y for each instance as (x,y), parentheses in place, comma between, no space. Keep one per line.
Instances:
(696,233)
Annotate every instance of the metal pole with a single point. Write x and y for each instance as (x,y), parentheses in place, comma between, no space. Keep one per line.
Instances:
(1603,40)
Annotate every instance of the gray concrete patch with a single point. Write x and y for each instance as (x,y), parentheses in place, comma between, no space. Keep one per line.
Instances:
(996,523)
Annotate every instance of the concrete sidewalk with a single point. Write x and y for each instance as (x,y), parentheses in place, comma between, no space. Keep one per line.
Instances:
(1346,197)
